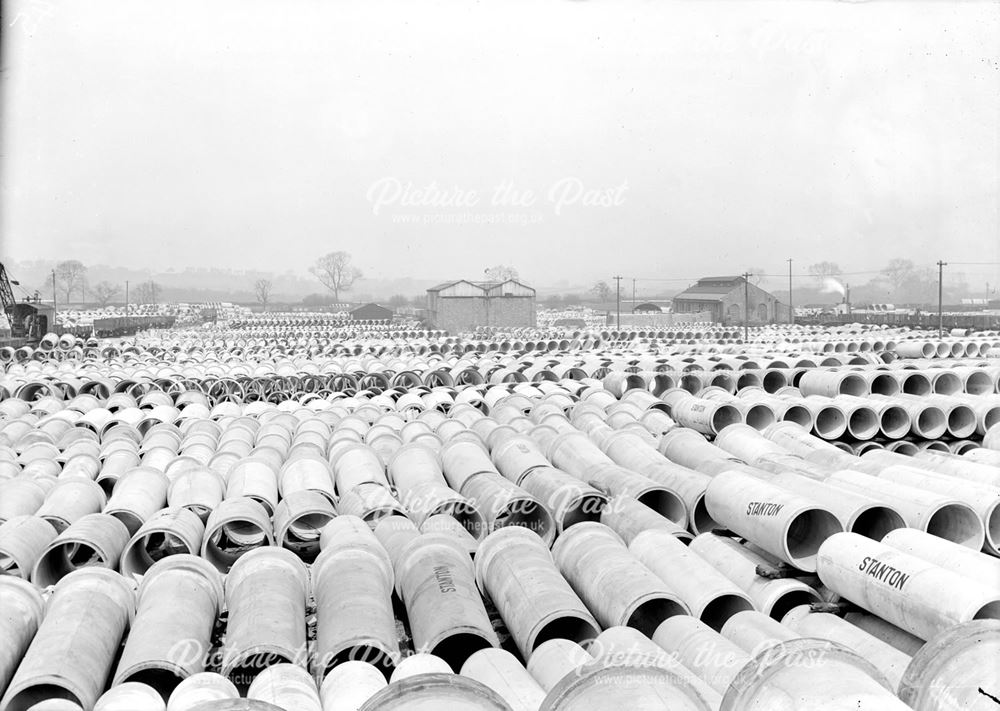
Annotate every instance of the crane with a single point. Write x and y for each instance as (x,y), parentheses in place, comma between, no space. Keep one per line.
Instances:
(27,321)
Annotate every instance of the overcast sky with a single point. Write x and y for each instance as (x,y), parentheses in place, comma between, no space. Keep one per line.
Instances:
(656,139)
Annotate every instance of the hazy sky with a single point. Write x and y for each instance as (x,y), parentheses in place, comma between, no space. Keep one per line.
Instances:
(657,139)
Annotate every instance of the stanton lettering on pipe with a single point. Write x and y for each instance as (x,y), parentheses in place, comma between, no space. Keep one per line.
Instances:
(763,508)
(883,572)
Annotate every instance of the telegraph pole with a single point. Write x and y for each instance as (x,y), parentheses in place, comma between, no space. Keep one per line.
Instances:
(633,294)
(791,309)
(55,307)
(941,266)
(126,298)
(618,298)
(746,307)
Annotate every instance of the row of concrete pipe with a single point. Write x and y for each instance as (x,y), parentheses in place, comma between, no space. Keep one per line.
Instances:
(623,554)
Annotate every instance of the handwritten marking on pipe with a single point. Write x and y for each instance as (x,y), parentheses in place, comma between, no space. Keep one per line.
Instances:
(445,581)
(763,508)
(883,572)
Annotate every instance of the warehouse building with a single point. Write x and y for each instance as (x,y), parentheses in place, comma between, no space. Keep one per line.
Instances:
(724,298)
(371,312)
(462,306)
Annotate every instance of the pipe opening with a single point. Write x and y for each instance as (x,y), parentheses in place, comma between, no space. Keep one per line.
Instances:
(806,533)
(993,528)
(457,648)
(63,560)
(724,416)
(143,553)
(792,599)
(862,423)
(760,416)
(132,521)
(830,423)
(527,514)
(989,611)
(773,381)
(991,418)
(748,380)
(163,681)
(722,608)
(894,422)
(587,508)
(978,383)
(243,674)
(958,524)
(9,566)
(853,384)
(877,521)
(961,421)
(903,447)
(571,628)
(799,415)
(931,423)
(650,614)
(884,384)
(947,384)
(39,693)
(376,656)
(471,520)
(917,384)
(665,503)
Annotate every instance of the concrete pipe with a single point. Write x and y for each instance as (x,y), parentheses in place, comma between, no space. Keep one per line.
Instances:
(515,569)
(616,587)
(628,518)
(830,383)
(394,533)
(168,532)
(981,498)
(710,656)
(94,540)
(890,662)
(23,608)
(198,690)
(353,582)
(500,671)
(810,674)
(955,670)
(266,594)
(754,631)
(349,685)
(628,450)
(138,495)
(568,499)
(857,513)
(463,460)
(773,597)
(787,526)
(287,686)
(298,521)
(429,498)
(920,597)
(886,631)
(554,660)
(69,501)
(165,647)
(705,416)
(503,503)
(307,473)
(418,664)
(981,473)
(446,613)
(939,515)
(516,456)
(132,696)
(254,478)
(433,691)
(199,489)
(115,464)
(23,540)
(71,655)
(627,648)
(357,464)
(977,566)
(371,502)
(22,497)
(235,527)
(707,593)
(447,525)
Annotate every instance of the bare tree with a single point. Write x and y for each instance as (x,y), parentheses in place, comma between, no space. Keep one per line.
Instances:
(501,272)
(262,288)
(601,290)
(105,292)
(898,272)
(69,277)
(336,273)
(148,292)
(821,270)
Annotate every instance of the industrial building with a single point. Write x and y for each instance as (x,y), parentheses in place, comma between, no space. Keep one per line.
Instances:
(724,298)
(371,312)
(463,306)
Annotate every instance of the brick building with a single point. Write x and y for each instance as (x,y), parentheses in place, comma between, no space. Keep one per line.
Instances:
(724,298)
(462,306)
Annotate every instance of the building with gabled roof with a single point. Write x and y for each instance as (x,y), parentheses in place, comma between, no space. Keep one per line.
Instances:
(724,298)
(461,306)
